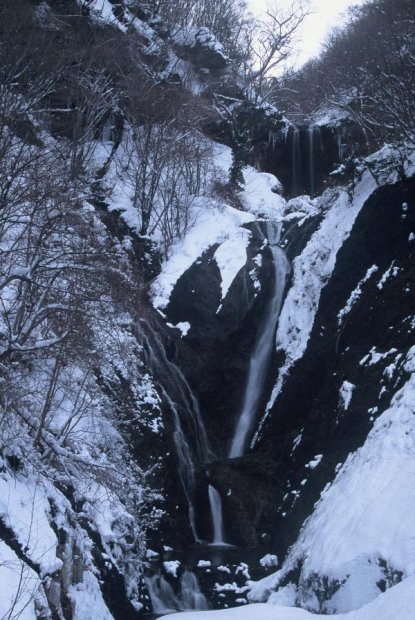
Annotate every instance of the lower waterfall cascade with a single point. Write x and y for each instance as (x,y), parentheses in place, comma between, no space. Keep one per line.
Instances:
(165,600)
(217,516)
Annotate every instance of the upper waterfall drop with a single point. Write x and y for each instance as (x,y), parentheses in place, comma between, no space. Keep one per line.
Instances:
(295,161)
(262,350)
(314,147)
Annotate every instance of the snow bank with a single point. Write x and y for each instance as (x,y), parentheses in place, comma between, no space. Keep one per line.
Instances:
(311,271)
(231,257)
(260,194)
(213,225)
(88,601)
(396,603)
(361,531)
(24,508)
(218,223)
(314,266)
(19,586)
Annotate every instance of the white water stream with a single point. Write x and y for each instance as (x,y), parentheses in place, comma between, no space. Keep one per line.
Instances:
(295,160)
(262,350)
(314,143)
(215,501)
(165,600)
(192,447)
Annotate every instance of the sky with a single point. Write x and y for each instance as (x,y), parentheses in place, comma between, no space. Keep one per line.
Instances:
(326,14)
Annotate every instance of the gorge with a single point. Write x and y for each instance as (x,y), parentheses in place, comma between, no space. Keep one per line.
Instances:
(207,316)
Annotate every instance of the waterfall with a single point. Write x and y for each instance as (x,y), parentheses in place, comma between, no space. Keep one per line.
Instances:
(262,350)
(189,435)
(173,380)
(295,160)
(314,142)
(165,600)
(215,501)
(187,469)
(162,595)
(191,596)
(340,147)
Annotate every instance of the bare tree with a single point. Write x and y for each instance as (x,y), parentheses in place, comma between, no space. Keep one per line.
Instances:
(271,44)
(366,69)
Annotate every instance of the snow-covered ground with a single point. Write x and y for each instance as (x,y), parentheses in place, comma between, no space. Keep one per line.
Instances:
(216,222)
(360,534)
(398,603)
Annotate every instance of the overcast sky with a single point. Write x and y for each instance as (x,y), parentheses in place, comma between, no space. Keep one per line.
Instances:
(326,14)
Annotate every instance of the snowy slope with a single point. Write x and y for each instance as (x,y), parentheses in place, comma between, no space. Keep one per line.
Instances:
(360,537)
(311,272)
(398,603)
(216,222)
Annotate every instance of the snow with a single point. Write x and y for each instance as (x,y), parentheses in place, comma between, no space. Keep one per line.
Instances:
(18,586)
(315,462)
(231,257)
(102,10)
(361,530)
(260,194)
(213,225)
(172,567)
(374,357)
(24,507)
(152,555)
(219,223)
(313,268)
(87,600)
(285,597)
(355,295)
(346,392)
(184,327)
(397,603)
(192,36)
(269,560)
(391,272)
(231,587)
(330,116)
(311,271)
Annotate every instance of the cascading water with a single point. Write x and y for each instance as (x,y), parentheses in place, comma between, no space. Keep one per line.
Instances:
(261,353)
(314,143)
(215,501)
(184,401)
(182,394)
(340,147)
(165,600)
(295,160)
(192,447)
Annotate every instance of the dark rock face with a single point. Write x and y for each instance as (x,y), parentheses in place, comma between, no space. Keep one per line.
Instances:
(214,355)
(203,50)
(263,493)
(309,404)
(304,157)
